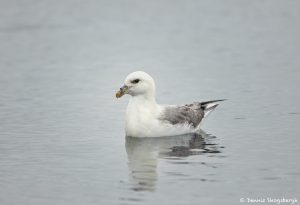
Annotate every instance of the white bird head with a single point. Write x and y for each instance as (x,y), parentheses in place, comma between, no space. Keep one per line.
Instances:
(137,84)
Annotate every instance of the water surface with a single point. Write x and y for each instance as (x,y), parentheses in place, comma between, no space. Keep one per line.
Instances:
(62,135)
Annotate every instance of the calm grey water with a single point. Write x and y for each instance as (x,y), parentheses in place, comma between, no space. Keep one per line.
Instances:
(62,135)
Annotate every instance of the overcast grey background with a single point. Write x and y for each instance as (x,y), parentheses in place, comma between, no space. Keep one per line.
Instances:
(62,131)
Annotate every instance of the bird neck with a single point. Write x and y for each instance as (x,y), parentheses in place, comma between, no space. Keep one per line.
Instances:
(147,100)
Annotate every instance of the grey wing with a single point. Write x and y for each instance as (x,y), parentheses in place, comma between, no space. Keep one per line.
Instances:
(187,114)
(191,114)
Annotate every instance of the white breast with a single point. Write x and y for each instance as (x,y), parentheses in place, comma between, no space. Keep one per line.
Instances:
(141,118)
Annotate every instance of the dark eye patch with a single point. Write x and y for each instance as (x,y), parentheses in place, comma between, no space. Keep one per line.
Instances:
(135,81)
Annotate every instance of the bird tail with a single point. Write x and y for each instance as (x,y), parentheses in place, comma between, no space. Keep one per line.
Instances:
(209,106)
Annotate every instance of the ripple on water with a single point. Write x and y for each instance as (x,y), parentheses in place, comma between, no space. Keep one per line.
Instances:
(294,113)
(293,173)
(271,178)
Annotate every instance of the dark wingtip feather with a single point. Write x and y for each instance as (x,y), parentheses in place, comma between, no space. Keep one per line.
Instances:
(212,101)
(209,106)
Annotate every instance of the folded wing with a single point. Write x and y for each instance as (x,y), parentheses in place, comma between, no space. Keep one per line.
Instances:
(191,114)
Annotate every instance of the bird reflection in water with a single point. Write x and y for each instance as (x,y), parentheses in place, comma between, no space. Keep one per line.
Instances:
(144,154)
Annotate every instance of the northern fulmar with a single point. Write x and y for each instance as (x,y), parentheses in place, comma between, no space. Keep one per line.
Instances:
(146,118)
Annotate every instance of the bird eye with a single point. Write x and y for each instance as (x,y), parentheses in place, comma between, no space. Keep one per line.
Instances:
(135,81)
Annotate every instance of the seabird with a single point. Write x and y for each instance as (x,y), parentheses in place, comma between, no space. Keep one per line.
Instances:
(146,118)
